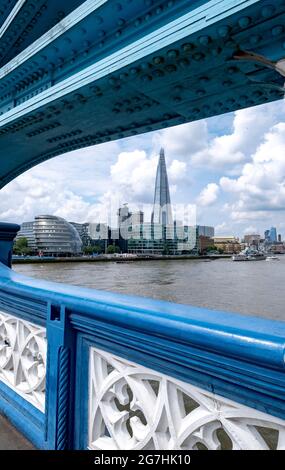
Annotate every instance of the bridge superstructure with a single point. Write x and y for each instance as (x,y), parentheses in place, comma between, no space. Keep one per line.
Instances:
(86,369)
(111,69)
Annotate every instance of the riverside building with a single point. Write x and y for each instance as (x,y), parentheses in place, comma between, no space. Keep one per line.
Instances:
(55,236)
(27,231)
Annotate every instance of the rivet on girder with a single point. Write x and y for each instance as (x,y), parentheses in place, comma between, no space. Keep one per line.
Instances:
(172,54)
(134,71)
(204,40)
(145,65)
(224,31)
(277,30)
(112,81)
(267,11)
(158,60)
(244,22)
(187,47)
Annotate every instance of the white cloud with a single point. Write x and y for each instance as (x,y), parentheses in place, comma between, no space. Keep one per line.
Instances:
(177,170)
(249,126)
(250,230)
(223,229)
(133,174)
(208,195)
(261,185)
(181,142)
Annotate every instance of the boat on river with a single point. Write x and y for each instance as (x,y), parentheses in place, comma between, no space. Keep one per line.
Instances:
(249,255)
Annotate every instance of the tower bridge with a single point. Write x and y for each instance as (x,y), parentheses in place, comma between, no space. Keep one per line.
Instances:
(75,74)
(77,364)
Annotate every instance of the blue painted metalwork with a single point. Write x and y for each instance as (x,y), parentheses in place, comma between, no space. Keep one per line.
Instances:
(7,235)
(241,358)
(130,67)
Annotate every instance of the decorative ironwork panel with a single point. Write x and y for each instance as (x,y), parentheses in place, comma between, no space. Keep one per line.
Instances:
(132,407)
(23,349)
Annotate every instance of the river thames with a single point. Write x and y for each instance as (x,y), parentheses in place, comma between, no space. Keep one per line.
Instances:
(250,288)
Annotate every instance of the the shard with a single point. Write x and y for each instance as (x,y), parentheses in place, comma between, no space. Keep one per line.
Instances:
(162,213)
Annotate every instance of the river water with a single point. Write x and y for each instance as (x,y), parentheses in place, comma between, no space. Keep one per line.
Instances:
(250,288)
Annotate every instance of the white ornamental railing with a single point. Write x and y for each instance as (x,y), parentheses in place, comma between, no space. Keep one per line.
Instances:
(134,408)
(23,349)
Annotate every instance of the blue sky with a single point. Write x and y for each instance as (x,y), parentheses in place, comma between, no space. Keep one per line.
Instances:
(232,167)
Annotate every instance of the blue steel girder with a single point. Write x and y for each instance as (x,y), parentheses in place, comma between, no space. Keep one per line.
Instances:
(24,21)
(114,69)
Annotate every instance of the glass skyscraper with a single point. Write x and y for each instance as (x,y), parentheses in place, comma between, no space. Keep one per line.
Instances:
(271,235)
(162,213)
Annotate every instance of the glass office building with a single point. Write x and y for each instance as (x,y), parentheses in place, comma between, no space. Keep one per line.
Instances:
(27,231)
(160,239)
(55,236)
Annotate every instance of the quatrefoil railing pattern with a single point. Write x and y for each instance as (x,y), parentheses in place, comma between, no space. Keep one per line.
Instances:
(131,407)
(23,349)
